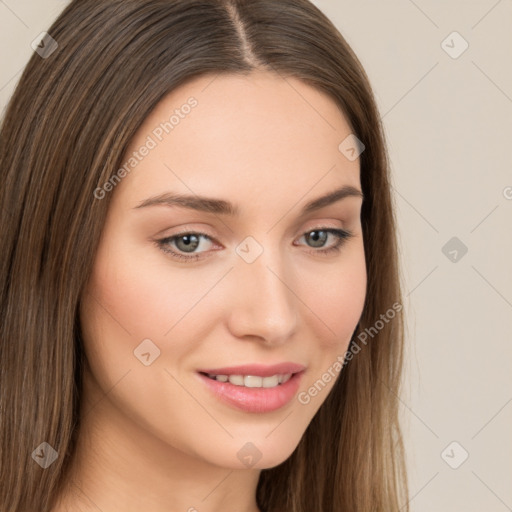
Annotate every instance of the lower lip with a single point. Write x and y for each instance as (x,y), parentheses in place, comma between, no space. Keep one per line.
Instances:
(255,399)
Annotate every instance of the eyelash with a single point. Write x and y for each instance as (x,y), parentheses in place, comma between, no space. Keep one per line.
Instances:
(163,243)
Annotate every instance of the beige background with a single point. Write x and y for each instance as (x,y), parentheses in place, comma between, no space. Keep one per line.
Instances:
(449,127)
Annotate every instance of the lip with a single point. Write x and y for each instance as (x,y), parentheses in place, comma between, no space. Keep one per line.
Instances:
(255,400)
(258,370)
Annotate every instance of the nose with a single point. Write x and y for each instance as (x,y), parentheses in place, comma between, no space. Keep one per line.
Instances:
(263,301)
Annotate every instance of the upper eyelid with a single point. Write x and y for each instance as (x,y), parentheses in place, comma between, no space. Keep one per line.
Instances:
(331,230)
(200,231)
(213,238)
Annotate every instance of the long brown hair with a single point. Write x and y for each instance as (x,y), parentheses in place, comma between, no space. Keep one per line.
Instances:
(64,134)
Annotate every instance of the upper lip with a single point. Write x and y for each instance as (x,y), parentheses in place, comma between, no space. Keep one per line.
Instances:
(258,370)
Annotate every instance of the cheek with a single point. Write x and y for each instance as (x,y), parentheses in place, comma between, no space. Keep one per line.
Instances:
(337,296)
(139,297)
(127,302)
(337,302)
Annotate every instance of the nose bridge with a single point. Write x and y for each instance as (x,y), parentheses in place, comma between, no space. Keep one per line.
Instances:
(263,303)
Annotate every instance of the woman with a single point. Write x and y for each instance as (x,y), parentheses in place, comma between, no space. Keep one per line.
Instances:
(201,306)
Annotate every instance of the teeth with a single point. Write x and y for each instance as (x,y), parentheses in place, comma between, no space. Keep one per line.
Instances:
(253,381)
(270,382)
(286,377)
(237,380)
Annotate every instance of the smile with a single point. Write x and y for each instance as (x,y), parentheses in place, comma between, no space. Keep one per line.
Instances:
(254,388)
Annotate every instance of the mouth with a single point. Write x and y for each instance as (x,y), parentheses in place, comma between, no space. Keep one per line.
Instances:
(256,389)
(252,381)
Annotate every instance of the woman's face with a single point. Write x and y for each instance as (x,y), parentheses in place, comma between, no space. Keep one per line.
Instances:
(186,286)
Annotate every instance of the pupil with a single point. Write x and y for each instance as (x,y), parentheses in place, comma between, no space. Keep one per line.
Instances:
(316,238)
(191,242)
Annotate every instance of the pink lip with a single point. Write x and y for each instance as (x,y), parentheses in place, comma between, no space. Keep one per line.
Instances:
(256,400)
(258,370)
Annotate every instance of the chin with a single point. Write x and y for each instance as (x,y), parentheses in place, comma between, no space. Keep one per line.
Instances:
(258,453)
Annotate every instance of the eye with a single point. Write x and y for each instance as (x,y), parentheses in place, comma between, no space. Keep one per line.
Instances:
(319,236)
(183,245)
(186,242)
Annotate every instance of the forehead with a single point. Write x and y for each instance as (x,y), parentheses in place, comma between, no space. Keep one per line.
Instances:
(242,135)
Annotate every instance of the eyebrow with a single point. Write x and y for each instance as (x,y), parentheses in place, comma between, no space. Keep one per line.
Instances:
(220,206)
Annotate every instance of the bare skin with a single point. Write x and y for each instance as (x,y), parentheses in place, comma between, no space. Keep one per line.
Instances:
(154,437)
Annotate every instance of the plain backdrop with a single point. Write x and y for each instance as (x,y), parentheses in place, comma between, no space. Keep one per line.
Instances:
(441,73)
